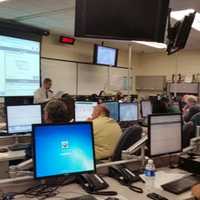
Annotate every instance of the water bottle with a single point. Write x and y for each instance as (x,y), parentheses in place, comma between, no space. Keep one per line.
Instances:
(150,168)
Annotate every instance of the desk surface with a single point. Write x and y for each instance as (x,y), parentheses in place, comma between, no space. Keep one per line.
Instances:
(124,193)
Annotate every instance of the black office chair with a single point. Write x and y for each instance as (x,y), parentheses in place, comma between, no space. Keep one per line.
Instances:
(128,138)
(188,134)
(189,129)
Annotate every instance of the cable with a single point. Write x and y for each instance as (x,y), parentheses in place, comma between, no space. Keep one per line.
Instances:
(41,191)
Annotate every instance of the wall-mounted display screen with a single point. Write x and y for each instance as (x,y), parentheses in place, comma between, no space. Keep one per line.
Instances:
(105,55)
(19,66)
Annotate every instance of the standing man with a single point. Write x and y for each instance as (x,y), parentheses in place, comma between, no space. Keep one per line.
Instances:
(44,93)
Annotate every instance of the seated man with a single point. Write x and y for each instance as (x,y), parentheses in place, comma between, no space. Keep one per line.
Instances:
(70,103)
(106,132)
(167,107)
(189,129)
(56,111)
(191,108)
(191,113)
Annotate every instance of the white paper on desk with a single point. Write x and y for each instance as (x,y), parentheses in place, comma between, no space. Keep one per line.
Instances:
(162,177)
(2,155)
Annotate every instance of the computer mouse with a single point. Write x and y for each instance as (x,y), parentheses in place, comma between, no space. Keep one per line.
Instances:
(3,150)
(112,198)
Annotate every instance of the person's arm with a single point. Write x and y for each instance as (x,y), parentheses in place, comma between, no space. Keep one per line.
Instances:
(39,97)
(36,97)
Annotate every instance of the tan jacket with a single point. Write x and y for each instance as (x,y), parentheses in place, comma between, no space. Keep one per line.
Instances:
(106,136)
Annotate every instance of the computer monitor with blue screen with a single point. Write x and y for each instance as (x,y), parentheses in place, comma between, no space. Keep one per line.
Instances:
(113,107)
(146,108)
(21,117)
(128,112)
(61,149)
(83,110)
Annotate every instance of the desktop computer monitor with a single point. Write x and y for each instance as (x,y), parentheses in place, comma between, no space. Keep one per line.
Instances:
(113,107)
(128,112)
(21,117)
(62,149)
(146,108)
(83,110)
(165,134)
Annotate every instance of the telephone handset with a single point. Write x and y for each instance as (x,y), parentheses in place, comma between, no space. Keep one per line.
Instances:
(125,177)
(92,183)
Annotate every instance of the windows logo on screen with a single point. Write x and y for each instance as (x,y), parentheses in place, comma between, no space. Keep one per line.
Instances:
(65,146)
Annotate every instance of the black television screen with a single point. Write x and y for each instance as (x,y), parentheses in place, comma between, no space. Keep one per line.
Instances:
(122,19)
(179,34)
(105,55)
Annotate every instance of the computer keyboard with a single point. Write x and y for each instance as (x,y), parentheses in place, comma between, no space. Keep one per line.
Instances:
(181,185)
(84,197)
(17,147)
(3,133)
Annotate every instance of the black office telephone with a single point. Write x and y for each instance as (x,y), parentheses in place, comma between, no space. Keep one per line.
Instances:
(123,175)
(92,183)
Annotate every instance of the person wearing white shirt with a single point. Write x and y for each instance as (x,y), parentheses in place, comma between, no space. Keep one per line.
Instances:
(44,93)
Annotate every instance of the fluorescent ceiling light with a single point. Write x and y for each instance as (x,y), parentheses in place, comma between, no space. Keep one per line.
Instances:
(152,44)
(3,0)
(179,15)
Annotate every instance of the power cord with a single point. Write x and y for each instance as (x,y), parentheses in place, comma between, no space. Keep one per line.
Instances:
(41,191)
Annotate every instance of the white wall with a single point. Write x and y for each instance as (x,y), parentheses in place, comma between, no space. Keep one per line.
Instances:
(80,51)
(186,63)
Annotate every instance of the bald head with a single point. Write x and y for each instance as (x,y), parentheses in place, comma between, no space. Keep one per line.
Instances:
(100,110)
(191,100)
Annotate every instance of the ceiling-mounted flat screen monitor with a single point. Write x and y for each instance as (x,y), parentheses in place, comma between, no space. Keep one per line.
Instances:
(122,19)
(105,55)
(19,66)
(180,34)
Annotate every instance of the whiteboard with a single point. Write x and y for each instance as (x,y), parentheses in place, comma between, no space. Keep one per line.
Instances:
(62,73)
(83,79)
(119,79)
(91,79)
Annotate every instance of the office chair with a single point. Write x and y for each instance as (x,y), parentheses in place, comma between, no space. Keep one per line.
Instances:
(188,133)
(196,119)
(128,138)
